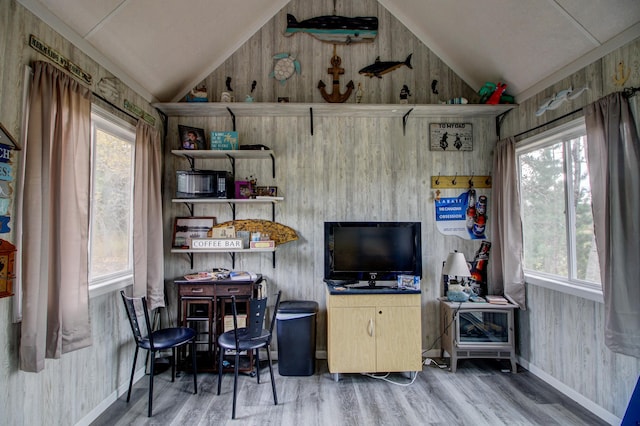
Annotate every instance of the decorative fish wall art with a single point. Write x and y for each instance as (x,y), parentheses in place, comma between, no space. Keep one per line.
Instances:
(335,29)
(559,98)
(378,68)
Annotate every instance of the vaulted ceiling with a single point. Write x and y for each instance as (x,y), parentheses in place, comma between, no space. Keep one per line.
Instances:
(163,48)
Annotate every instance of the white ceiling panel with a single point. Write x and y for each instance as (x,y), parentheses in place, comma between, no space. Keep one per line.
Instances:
(604,19)
(83,15)
(163,47)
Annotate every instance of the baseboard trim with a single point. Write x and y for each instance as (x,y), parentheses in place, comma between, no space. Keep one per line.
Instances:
(106,403)
(571,393)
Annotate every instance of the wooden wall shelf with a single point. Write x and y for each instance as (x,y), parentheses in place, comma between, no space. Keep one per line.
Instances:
(267,109)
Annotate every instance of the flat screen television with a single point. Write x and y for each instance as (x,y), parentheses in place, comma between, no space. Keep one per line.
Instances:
(370,251)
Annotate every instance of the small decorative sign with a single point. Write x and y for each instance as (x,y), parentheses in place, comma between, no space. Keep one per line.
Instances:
(59,59)
(4,224)
(216,244)
(451,137)
(5,172)
(5,153)
(224,140)
(139,112)
(262,244)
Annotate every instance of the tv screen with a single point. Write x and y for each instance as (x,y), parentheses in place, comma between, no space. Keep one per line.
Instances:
(356,251)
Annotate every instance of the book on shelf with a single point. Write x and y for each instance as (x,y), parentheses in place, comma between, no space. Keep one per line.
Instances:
(496,300)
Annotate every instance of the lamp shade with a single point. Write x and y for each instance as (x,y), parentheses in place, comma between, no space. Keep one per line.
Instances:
(456,265)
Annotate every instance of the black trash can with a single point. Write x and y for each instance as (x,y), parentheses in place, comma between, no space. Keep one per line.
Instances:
(296,331)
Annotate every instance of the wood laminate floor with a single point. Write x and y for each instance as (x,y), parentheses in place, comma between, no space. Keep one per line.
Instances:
(479,393)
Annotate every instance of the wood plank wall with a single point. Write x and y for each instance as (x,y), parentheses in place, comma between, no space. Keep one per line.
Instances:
(71,387)
(351,168)
(559,334)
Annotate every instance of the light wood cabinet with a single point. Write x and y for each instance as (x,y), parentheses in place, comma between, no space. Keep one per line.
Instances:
(373,333)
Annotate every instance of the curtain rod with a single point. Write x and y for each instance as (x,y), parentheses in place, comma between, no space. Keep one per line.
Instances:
(630,91)
(627,92)
(548,122)
(115,106)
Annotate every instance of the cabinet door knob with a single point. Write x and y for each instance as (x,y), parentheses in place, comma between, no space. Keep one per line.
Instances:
(371,327)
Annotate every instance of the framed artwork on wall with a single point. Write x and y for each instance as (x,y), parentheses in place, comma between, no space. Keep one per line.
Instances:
(450,137)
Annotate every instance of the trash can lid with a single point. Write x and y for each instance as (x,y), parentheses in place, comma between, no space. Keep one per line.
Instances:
(298,306)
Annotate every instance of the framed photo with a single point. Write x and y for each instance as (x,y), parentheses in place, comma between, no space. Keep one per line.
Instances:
(191,137)
(450,137)
(186,228)
(267,191)
(243,189)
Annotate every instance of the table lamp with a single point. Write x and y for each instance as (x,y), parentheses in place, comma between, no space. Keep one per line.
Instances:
(456,268)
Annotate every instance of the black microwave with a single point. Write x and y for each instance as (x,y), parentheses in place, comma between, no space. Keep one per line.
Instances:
(204,183)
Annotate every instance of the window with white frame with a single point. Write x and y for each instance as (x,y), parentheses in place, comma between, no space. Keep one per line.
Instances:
(559,243)
(111,229)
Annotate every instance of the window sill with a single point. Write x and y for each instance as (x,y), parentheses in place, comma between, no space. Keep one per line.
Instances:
(110,286)
(565,287)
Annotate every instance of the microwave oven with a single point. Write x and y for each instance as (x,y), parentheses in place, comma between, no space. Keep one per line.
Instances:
(204,183)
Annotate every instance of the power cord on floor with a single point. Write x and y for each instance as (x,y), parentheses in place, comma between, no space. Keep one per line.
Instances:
(429,361)
(385,377)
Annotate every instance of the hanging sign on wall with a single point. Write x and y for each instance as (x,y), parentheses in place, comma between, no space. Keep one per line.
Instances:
(464,216)
(6,176)
(139,112)
(56,57)
(451,137)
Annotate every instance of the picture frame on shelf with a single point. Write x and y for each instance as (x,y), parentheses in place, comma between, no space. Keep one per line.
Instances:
(243,189)
(186,228)
(191,138)
(266,191)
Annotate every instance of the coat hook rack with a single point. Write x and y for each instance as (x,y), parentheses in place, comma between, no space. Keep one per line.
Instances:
(460,182)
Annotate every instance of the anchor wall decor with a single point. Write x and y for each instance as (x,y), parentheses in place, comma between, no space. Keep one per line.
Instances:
(335,71)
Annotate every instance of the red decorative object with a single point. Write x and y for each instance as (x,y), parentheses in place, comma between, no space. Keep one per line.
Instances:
(7,268)
(494,99)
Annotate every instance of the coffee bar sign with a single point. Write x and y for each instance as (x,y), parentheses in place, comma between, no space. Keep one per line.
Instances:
(216,244)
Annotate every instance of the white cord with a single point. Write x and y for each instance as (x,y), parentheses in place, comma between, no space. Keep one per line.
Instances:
(385,378)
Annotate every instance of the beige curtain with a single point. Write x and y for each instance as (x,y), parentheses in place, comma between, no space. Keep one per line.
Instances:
(55,307)
(505,273)
(148,252)
(613,155)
